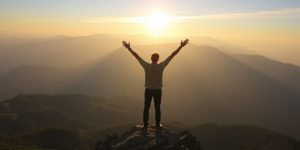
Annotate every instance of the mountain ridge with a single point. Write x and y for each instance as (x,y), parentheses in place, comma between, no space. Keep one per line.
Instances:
(204,82)
(68,121)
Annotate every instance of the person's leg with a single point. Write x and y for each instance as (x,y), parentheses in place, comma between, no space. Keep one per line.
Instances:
(157,102)
(147,104)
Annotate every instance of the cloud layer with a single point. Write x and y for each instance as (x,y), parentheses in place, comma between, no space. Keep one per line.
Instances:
(271,14)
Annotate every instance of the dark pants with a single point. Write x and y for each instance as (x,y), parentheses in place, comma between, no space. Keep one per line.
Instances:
(156,94)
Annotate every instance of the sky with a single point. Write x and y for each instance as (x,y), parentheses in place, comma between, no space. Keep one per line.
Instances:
(88,8)
(246,22)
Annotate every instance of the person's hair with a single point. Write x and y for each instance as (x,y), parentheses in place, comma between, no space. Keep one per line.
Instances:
(155,57)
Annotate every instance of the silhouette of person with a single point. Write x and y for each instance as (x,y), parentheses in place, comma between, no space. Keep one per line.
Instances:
(153,81)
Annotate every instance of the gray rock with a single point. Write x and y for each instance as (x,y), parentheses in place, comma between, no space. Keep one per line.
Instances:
(152,139)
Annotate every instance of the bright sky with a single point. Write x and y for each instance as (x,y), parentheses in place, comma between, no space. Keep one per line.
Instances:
(256,20)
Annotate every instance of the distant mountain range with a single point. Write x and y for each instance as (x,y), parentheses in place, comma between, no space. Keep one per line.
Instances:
(32,112)
(79,122)
(73,51)
(60,51)
(202,84)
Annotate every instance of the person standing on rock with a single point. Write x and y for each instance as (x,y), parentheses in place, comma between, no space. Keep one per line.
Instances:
(153,81)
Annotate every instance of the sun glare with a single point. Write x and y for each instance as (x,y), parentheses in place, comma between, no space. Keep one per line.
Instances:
(156,22)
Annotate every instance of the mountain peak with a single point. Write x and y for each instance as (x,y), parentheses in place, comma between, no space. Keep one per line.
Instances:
(137,139)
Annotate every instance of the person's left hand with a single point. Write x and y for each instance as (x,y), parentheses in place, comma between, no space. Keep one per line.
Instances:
(184,43)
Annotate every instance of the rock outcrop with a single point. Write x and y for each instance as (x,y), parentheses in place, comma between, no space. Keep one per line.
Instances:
(152,139)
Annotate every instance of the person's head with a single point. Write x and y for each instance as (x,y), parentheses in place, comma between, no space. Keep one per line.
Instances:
(155,58)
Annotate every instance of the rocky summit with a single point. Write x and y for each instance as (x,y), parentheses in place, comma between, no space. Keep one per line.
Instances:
(150,139)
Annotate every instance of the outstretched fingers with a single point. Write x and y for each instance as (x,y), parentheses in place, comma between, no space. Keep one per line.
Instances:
(127,45)
(186,41)
(124,43)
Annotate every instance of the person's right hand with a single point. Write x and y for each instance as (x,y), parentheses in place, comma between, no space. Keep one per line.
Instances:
(127,45)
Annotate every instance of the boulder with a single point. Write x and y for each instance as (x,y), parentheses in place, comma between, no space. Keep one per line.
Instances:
(150,139)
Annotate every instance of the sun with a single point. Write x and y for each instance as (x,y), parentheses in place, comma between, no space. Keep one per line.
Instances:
(156,22)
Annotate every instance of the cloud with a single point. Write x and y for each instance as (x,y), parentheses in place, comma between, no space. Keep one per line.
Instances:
(283,13)
(107,20)
(272,14)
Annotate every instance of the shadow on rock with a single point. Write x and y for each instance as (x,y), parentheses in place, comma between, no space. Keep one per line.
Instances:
(150,139)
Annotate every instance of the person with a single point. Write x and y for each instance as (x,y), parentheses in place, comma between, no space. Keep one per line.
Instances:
(153,81)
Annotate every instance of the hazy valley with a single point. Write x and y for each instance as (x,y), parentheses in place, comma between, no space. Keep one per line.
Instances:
(100,85)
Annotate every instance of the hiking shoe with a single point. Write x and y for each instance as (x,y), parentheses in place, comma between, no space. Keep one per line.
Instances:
(144,128)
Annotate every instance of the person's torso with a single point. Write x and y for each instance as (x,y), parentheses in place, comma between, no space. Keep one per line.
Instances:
(153,76)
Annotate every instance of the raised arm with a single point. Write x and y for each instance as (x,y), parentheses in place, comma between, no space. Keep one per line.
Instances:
(127,45)
(182,44)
